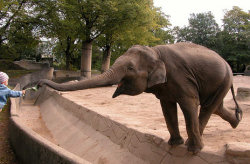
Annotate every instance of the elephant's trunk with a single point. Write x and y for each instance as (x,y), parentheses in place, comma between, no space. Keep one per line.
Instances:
(109,77)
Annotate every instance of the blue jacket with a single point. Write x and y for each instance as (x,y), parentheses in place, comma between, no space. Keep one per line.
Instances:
(5,92)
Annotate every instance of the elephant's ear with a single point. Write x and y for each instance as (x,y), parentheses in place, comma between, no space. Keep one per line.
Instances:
(157,75)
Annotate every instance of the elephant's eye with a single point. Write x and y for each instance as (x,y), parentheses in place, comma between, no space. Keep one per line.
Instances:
(130,68)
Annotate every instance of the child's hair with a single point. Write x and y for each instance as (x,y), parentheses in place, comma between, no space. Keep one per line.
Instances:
(3,77)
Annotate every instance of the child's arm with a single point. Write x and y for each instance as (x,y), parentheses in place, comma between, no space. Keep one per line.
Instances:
(15,93)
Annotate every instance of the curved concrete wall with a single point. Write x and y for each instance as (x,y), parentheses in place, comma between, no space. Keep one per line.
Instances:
(30,147)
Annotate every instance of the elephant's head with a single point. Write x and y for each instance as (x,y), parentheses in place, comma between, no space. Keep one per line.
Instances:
(142,69)
(136,70)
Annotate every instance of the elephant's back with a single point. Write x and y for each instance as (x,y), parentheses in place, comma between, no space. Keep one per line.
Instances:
(190,55)
(196,64)
(190,50)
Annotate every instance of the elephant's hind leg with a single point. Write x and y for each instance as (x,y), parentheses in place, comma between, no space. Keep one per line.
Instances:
(207,111)
(227,116)
(212,103)
(205,114)
(169,110)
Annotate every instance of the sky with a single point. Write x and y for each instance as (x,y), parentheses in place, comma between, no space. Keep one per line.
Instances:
(180,10)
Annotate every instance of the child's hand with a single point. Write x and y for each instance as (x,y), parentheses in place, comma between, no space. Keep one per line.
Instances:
(23,92)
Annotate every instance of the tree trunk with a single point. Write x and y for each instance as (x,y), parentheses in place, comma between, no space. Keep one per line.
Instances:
(86,59)
(67,62)
(238,65)
(67,53)
(106,59)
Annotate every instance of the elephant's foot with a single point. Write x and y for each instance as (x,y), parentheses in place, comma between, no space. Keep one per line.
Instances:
(194,148)
(175,140)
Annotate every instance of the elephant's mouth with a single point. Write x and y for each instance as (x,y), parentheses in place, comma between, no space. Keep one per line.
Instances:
(119,90)
(122,88)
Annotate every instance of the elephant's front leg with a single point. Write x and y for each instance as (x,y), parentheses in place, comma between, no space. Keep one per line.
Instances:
(189,107)
(170,113)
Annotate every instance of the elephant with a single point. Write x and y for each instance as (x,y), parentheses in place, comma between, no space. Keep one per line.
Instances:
(191,75)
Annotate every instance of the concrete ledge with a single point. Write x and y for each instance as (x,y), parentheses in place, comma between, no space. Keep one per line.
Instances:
(240,149)
(238,152)
(30,147)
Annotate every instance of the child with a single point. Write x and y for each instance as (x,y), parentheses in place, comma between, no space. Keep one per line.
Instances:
(5,92)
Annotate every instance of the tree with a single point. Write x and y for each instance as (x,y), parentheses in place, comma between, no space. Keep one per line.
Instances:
(235,38)
(88,17)
(22,43)
(9,11)
(129,26)
(73,22)
(56,23)
(161,30)
(97,17)
(16,37)
(202,30)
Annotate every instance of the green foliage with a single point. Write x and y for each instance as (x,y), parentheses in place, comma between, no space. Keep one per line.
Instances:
(202,30)
(74,22)
(236,21)
(232,43)
(16,37)
(161,31)
(139,22)
(112,26)
(235,38)
(56,23)
(133,22)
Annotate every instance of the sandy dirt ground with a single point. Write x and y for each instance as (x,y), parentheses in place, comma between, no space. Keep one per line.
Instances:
(143,112)
(31,117)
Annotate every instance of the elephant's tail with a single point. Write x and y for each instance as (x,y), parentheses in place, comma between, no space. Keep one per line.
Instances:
(238,111)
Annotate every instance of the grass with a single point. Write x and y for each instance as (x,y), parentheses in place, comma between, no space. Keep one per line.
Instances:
(7,155)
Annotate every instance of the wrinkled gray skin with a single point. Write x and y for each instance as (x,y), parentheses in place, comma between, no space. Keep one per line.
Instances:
(183,73)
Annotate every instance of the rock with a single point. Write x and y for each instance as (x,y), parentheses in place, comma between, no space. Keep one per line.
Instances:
(243,94)
(240,149)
